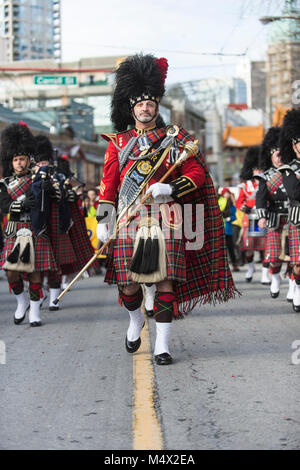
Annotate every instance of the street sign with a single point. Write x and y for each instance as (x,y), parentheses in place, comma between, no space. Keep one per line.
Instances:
(58,80)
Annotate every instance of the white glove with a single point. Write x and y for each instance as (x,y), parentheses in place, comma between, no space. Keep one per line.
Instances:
(102,232)
(160,189)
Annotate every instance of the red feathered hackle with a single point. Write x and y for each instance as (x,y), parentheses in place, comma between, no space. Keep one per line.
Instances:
(163,67)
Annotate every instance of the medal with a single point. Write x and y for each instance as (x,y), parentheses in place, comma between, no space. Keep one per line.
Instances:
(143,142)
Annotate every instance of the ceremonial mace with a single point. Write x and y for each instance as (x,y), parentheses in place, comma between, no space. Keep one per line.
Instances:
(191,148)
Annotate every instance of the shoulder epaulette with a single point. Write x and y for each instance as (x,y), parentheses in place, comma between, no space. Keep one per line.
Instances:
(109,137)
(118,138)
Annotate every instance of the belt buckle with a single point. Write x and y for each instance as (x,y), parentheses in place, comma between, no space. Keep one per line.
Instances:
(25,218)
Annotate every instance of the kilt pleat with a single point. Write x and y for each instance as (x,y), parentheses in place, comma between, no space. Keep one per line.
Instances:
(273,242)
(66,253)
(121,253)
(118,267)
(80,241)
(73,249)
(294,244)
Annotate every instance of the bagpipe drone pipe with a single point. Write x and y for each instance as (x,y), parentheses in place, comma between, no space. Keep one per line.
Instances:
(41,189)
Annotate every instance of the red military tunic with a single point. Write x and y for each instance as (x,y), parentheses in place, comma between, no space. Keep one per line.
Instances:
(200,275)
(112,179)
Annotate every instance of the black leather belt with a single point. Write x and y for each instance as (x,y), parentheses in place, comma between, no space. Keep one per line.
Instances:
(23,217)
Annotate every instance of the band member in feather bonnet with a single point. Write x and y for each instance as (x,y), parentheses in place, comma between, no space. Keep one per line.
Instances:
(290,152)
(142,153)
(269,146)
(289,141)
(25,251)
(246,203)
(271,207)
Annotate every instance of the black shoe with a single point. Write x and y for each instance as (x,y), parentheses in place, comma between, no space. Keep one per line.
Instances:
(289,300)
(132,346)
(163,359)
(18,321)
(149,313)
(296,308)
(54,307)
(266,283)
(248,279)
(36,323)
(274,295)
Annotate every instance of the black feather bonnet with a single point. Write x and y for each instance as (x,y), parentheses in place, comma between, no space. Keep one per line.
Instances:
(16,140)
(44,148)
(139,77)
(250,163)
(290,135)
(268,147)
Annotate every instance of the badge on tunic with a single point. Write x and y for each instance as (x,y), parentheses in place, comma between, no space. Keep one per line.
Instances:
(144,167)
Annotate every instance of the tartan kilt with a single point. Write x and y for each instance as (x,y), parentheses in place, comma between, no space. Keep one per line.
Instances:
(294,244)
(44,258)
(66,253)
(121,251)
(273,242)
(61,243)
(252,243)
(80,241)
(118,266)
(72,250)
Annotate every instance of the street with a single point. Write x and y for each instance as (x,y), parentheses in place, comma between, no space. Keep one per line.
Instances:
(70,384)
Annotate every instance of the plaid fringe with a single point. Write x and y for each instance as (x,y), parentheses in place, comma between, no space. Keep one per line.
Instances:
(212,298)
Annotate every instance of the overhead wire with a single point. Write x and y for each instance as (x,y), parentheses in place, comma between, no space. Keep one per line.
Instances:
(170,51)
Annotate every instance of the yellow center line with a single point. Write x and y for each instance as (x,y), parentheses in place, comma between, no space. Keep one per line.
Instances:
(147,434)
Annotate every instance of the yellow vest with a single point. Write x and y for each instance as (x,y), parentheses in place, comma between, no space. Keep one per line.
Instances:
(239,218)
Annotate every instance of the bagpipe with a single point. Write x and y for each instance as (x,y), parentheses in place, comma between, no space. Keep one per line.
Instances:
(41,189)
(62,176)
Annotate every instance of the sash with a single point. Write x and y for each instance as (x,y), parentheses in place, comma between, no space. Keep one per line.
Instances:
(18,186)
(275,183)
(138,175)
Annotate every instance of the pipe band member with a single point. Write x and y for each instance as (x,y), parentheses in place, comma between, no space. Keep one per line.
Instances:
(138,155)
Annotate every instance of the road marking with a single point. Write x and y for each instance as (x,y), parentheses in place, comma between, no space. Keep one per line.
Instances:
(146,428)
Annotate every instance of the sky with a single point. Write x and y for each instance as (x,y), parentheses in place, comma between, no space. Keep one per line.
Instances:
(192,34)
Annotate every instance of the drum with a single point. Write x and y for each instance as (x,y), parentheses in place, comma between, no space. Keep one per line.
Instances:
(253,228)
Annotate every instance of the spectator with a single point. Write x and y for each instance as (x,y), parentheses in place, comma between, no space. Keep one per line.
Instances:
(228,210)
(93,195)
(237,231)
(88,208)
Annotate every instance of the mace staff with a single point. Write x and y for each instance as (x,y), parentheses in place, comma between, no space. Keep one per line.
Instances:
(191,148)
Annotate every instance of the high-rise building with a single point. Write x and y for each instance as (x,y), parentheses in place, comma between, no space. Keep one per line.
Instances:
(30,29)
(283,58)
